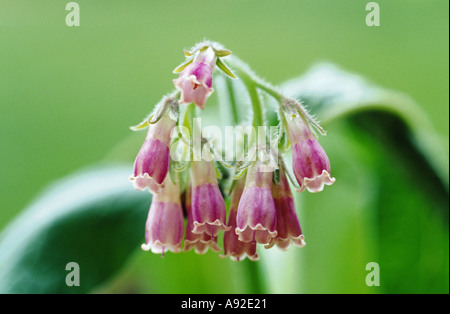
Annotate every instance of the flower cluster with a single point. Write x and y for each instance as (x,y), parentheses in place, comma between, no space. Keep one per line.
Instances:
(188,209)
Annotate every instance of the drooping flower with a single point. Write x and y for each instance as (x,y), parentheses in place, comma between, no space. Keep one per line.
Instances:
(256,215)
(309,161)
(199,242)
(288,226)
(164,228)
(208,205)
(195,81)
(152,162)
(235,249)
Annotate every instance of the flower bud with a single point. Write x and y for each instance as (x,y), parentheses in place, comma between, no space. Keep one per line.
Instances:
(208,205)
(195,81)
(152,162)
(256,215)
(309,161)
(165,223)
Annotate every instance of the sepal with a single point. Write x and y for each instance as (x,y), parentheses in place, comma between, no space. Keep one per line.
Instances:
(222,66)
(183,65)
(222,52)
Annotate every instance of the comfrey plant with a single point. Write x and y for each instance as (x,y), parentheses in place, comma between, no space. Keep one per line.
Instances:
(191,180)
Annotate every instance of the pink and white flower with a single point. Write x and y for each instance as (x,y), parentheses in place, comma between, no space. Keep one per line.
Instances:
(164,228)
(288,226)
(235,249)
(208,205)
(199,242)
(152,162)
(195,81)
(256,214)
(309,161)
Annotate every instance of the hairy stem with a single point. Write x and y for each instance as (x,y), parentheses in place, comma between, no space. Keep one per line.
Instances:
(249,80)
(232,99)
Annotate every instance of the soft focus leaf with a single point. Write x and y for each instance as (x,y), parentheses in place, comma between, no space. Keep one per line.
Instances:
(338,228)
(94,218)
(389,204)
(332,93)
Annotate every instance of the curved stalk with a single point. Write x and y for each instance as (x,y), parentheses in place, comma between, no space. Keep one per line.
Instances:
(232,99)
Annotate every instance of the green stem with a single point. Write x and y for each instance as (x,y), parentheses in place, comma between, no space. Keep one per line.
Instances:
(249,80)
(188,116)
(258,118)
(232,99)
(280,98)
(252,80)
(270,90)
(254,274)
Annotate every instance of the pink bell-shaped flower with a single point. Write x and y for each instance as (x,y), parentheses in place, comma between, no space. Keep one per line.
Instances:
(152,162)
(195,81)
(288,226)
(208,205)
(164,228)
(256,215)
(235,249)
(199,242)
(309,161)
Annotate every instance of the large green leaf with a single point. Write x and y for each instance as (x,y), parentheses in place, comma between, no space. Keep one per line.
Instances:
(390,202)
(338,224)
(94,218)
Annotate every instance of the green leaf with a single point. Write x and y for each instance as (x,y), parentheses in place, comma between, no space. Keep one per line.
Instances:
(94,218)
(338,230)
(390,201)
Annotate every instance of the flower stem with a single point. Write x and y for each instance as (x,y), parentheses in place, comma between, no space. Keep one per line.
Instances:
(270,90)
(250,81)
(258,118)
(256,285)
(188,116)
(232,99)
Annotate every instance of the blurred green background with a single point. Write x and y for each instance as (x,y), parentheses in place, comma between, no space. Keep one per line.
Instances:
(68,95)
